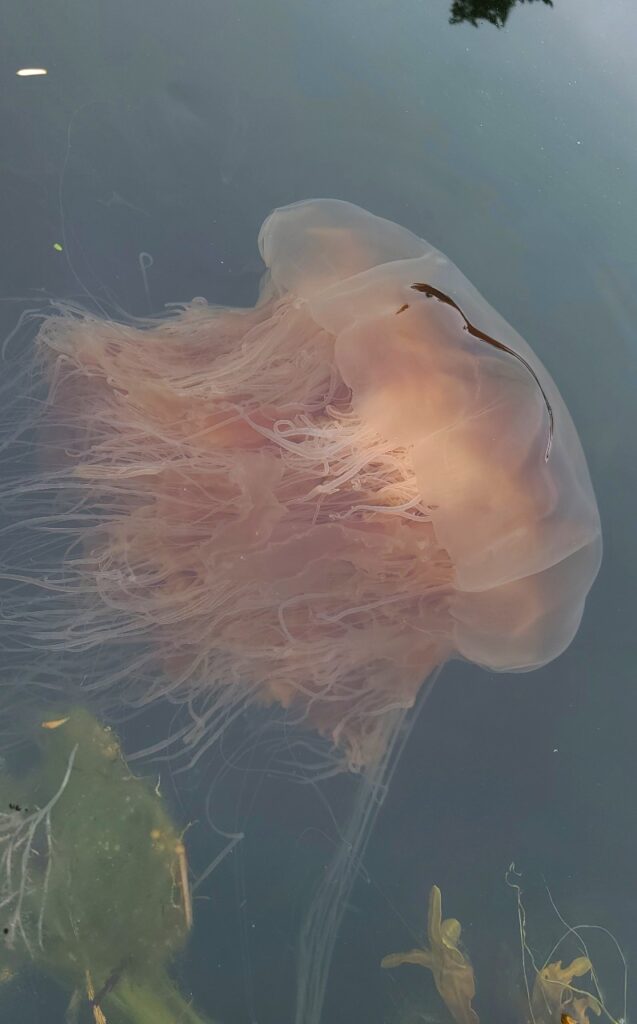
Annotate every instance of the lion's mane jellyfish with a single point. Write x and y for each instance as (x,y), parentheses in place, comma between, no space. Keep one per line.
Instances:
(311,504)
(315,502)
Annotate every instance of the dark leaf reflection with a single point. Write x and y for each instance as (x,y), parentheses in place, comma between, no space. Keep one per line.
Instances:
(495,12)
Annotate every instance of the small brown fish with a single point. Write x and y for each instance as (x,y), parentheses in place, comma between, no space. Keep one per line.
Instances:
(435,293)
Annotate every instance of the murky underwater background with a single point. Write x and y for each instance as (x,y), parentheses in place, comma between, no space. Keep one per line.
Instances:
(150,154)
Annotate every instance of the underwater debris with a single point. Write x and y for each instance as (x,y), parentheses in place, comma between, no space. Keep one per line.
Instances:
(553,992)
(451,969)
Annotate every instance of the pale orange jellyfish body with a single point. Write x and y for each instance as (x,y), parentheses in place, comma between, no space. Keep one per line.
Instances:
(317,501)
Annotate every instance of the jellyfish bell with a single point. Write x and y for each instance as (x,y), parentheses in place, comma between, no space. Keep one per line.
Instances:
(473,423)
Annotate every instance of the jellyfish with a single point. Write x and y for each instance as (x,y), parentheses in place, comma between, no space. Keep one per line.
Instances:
(309,505)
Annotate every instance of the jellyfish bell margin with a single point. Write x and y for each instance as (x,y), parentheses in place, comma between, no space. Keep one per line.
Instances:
(314,502)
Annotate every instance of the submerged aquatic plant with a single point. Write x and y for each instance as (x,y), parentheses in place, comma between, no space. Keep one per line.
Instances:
(93,878)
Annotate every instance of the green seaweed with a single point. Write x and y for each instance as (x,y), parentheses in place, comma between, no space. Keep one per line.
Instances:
(93,878)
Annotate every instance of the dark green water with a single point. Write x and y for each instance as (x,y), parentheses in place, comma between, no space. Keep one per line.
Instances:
(172,130)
